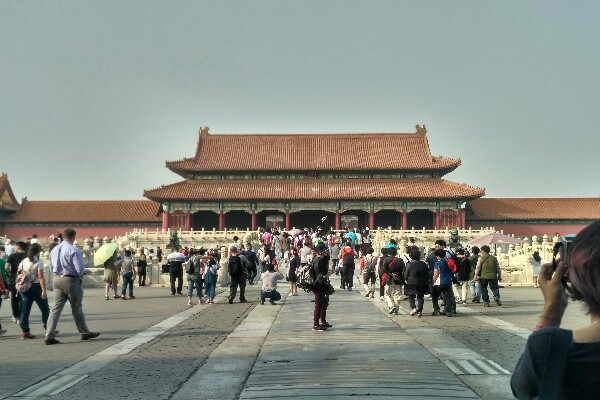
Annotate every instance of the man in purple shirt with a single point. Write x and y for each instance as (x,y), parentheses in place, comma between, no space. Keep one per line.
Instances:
(67,265)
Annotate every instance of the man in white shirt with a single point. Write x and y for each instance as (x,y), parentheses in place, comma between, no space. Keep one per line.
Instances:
(269,286)
(175,261)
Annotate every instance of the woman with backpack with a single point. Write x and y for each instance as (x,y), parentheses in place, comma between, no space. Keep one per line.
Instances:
(416,275)
(367,271)
(33,270)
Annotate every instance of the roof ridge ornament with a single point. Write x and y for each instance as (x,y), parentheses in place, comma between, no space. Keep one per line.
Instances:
(421,130)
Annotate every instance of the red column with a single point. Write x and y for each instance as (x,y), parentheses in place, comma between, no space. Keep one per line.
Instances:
(461,218)
(371,220)
(188,220)
(253,220)
(437,219)
(288,224)
(166,220)
(337,221)
(404,219)
(221,221)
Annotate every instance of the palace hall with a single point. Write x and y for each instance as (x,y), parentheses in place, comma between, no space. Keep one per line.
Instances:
(297,180)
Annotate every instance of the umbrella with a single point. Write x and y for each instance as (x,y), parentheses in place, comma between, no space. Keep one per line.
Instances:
(104,253)
(496,238)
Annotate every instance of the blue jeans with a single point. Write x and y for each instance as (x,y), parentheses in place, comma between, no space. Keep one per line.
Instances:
(197,283)
(273,295)
(127,281)
(475,289)
(27,298)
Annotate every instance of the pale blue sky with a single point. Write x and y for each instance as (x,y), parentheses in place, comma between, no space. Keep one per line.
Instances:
(96,95)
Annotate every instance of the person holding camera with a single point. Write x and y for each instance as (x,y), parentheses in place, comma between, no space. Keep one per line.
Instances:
(269,284)
(488,273)
(559,363)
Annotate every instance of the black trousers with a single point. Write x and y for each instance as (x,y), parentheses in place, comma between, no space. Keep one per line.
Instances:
(446,292)
(176,274)
(347,277)
(142,277)
(252,272)
(15,301)
(381,288)
(241,282)
(420,300)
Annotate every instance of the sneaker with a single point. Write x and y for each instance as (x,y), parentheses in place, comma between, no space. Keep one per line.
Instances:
(381,298)
(51,341)
(15,320)
(498,302)
(318,328)
(395,311)
(123,298)
(413,312)
(131,297)
(105,297)
(349,289)
(201,301)
(115,297)
(391,310)
(291,294)
(368,294)
(262,301)
(486,304)
(190,303)
(326,325)
(230,301)
(90,335)
(243,301)
(27,335)
(419,314)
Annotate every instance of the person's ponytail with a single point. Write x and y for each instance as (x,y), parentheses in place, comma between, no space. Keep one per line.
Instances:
(33,251)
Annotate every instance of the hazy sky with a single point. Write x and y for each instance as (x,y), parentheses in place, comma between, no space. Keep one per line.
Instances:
(96,95)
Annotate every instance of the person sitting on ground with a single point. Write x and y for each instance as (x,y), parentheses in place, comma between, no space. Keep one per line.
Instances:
(269,284)
(559,363)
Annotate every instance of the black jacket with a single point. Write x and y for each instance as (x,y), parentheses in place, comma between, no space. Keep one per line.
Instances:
(463,269)
(416,273)
(394,268)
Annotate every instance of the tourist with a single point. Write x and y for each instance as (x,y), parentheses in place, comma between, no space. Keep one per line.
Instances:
(269,284)
(263,251)
(416,276)
(394,279)
(335,256)
(195,271)
(12,266)
(237,273)
(252,260)
(236,243)
(142,264)
(285,246)
(266,237)
(380,270)
(347,256)
(367,271)
(463,273)
(175,261)
(111,275)
(474,286)
(128,273)
(321,272)
(9,248)
(276,240)
(68,268)
(536,266)
(34,239)
(210,279)
(59,236)
(559,363)
(33,269)
(442,278)
(292,276)
(305,253)
(3,290)
(488,273)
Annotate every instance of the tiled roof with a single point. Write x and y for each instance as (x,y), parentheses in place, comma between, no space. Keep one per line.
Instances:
(12,204)
(314,189)
(314,152)
(533,209)
(87,211)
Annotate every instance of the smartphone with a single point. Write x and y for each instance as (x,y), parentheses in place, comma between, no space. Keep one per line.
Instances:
(560,252)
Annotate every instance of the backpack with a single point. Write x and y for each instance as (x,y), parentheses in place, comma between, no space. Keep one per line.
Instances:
(23,282)
(369,266)
(235,266)
(348,260)
(305,278)
(451,264)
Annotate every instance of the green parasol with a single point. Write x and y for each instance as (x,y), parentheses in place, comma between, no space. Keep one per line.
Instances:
(104,253)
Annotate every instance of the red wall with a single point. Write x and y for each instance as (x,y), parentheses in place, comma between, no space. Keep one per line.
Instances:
(43,232)
(530,230)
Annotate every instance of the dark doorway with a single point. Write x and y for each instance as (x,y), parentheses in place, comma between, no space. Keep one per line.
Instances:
(387,218)
(238,219)
(270,218)
(208,220)
(420,219)
(354,219)
(312,219)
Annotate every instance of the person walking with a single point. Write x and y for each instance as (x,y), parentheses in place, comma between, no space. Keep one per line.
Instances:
(252,261)
(367,271)
(442,278)
(320,271)
(416,276)
(347,271)
(536,266)
(474,286)
(394,280)
(269,284)
(292,276)
(128,274)
(12,267)
(111,275)
(142,264)
(488,273)
(463,273)
(237,273)
(210,279)
(33,270)
(68,268)
(175,260)
(195,272)
(380,271)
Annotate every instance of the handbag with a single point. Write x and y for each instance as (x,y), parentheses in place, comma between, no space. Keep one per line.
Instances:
(23,282)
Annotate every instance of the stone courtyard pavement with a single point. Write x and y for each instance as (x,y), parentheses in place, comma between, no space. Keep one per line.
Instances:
(156,347)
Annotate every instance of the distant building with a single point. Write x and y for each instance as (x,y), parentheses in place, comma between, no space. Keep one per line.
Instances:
(332,180)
